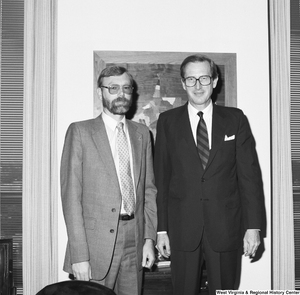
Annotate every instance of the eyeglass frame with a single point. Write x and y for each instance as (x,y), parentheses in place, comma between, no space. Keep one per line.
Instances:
(210,81)
(119,87)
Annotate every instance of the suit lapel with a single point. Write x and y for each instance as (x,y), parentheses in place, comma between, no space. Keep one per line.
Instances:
(136,146)
(185,135)
(101,141)
(218,131)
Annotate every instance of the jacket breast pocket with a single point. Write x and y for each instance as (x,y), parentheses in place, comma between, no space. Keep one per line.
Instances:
(229,148)
(229,142)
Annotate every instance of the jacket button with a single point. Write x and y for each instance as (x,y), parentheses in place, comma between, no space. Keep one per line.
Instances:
(202,179)
(112,231)
(113,210)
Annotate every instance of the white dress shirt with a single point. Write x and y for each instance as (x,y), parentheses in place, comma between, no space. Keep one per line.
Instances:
(194,120)
(111,130)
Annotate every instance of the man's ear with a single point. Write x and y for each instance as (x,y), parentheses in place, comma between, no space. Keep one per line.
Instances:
(215,82)
(99,91)
(183,85)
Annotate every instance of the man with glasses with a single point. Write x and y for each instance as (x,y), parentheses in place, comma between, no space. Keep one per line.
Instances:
(108,192)
(209,184)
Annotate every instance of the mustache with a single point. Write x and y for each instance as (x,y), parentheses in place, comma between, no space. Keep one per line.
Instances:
(124,100)
(121,99)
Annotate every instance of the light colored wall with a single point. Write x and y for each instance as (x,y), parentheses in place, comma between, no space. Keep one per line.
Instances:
(235,26)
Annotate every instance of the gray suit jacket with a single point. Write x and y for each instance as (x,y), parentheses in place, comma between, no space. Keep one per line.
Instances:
(91,196)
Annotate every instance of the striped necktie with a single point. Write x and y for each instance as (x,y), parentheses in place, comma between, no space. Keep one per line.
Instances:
(125,171)
(202,140)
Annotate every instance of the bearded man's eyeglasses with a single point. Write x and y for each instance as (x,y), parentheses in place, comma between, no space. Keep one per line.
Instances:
(114,89)
(192,81)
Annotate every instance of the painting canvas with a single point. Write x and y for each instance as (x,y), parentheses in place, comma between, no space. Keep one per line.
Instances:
(157,82)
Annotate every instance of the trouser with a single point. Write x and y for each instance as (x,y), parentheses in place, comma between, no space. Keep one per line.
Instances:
(123,276)
(186,269)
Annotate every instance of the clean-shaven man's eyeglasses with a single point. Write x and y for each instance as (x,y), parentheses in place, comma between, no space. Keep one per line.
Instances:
(192,81)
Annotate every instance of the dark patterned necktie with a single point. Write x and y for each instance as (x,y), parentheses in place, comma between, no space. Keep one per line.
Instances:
(125,171)
(202,140)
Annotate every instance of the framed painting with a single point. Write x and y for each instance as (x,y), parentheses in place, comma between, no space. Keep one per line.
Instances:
(157,82)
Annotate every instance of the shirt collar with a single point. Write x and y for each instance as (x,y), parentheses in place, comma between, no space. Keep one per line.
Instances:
(112,123)
(206,112)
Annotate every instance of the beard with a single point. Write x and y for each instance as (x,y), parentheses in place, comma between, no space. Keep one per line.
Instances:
(118,106)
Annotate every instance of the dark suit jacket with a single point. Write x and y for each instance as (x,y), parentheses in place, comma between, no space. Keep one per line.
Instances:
(226,198)
(91,195)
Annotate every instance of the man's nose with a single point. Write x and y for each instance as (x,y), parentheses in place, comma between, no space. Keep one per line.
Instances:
(121,91)
(198,84)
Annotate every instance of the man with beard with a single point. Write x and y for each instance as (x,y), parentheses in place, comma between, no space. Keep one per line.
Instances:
(108,192)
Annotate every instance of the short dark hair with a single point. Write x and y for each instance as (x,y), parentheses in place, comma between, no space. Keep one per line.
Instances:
(113,71)
(199,58)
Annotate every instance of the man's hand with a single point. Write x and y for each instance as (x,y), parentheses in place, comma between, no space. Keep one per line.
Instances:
(163,245)
(251,242)
(82,271)
(148,254)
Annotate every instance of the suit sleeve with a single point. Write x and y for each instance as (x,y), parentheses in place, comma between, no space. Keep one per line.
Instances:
(71,194)
(162,170)
(150,207)
(249,177)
